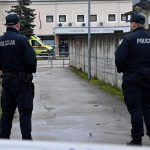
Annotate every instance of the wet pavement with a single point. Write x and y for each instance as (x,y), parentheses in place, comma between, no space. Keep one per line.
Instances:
(67,108)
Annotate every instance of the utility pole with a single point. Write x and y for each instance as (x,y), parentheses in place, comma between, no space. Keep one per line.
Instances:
(89,39)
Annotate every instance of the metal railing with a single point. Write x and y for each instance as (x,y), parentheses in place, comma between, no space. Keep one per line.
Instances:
(63,58)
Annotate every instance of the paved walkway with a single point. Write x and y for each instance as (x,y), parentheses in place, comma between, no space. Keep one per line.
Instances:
(67,108)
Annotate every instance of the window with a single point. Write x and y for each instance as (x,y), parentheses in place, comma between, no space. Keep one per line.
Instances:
(35,43)
(93,18)
(123,17)
(49,19)
(62,18)
(128,17)
(111,17)
(80,18)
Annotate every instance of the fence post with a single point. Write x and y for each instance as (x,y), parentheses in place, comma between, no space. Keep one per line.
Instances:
(48,55)
(51,59)
(63,61)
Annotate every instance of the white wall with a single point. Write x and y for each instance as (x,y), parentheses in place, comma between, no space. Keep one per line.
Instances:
(3,8)
(102,56)
(71,9)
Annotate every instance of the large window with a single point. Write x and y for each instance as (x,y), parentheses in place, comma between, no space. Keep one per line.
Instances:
(80,18)
(111,17)
(49,18)
(62,18)
(93,18)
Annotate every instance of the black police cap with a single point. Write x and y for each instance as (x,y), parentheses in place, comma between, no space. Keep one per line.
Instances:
(12,19)
(137,18)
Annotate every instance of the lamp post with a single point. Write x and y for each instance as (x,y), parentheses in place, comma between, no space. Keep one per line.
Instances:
(89,39)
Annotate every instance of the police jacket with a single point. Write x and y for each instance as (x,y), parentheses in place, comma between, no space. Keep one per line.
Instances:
(16,54)
(133,54)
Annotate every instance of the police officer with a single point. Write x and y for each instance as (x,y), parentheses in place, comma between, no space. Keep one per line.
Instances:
(17,62)
(132,58)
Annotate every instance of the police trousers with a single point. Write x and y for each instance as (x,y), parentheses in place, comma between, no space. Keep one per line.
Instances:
(16,93)
(136,90)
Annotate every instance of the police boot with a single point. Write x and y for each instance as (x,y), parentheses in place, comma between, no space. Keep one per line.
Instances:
(135,141)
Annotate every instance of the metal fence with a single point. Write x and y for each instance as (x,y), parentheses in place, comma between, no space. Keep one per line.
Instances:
(54,60)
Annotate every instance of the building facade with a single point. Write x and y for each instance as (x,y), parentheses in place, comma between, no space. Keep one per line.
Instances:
(143,6)
(56,19)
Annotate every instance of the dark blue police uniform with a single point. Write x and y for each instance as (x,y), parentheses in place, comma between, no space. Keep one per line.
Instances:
(17,62)
(132,58)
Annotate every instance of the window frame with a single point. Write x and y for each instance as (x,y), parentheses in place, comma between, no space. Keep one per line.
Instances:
(121,18)
(49,16)
(62,21)
(112,20)
(96,18)
(80,21)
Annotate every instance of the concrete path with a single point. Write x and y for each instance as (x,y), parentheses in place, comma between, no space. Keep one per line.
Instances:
(67,108)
